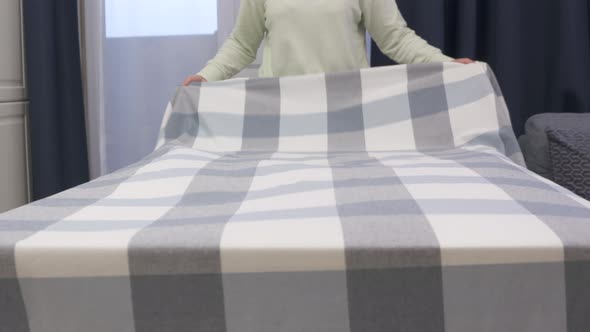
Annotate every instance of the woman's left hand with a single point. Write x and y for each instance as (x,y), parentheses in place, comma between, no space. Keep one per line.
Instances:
(464,61)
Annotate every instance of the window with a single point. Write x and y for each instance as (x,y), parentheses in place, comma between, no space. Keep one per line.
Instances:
(143,18)
(136,53)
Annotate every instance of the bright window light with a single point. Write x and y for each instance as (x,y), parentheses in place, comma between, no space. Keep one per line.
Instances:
(143,18)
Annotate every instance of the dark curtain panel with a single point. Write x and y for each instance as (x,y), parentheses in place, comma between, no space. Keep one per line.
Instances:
(539,49)
(54,81)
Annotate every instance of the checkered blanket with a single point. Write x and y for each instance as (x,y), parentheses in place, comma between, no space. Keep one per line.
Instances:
(390,199)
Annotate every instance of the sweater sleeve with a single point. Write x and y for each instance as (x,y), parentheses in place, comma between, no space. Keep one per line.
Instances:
(388,28)
(240,49)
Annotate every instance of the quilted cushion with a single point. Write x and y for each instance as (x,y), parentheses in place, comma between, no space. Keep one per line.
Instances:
(569,152)
(557,146)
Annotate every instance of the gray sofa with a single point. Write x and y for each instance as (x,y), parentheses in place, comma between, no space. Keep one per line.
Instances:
(557,146)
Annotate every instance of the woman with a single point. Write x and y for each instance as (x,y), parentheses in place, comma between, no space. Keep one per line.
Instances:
(304,37)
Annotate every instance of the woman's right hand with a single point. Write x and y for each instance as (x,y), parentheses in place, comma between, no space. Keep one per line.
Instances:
(193,79)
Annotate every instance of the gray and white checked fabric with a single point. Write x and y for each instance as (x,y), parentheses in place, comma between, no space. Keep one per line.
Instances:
(419,107)
(390,199)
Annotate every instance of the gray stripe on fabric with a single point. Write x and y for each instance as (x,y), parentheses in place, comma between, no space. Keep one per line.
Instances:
(374,302)
(303,186)
(501,108)
(506,297)
(403,208)
(346,130)
(557,210)
(233,158)
(494,81)
(570,221)
(186,267)
(387,237)
(568,218)
(270,301)
(183,124)
(19,224)
(577,275)
(286,302)
(262,115)
(511,146)
(489,139)
(376,208)
(505,130)
(89,304)
(467,91)
(297,122)
(287,168)
(239,172)
(428,106)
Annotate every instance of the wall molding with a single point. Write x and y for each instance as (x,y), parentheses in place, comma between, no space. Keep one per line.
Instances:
(15,189)
(12,89)
(13,110)
(12,93)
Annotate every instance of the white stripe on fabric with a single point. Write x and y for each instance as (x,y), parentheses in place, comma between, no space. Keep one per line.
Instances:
(165,119)
(386,110)
(178,158)
(472,120)
(456,72)
(557,187)
(281,245)
(468,239)
(74,247)
(313,170)
(301,96)
(224,98)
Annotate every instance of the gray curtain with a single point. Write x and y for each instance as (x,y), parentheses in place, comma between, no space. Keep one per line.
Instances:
(539,49)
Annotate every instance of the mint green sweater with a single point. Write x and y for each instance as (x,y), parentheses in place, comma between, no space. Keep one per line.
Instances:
(312,36)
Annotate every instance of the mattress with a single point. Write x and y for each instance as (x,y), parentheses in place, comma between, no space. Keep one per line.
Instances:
(387,199)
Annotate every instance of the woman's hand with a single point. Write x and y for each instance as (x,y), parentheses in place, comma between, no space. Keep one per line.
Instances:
(193,79)
(464,61)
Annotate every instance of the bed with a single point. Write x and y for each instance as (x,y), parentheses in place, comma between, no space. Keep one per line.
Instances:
(385,199)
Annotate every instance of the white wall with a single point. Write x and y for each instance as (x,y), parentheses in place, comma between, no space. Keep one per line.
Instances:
(14,184)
